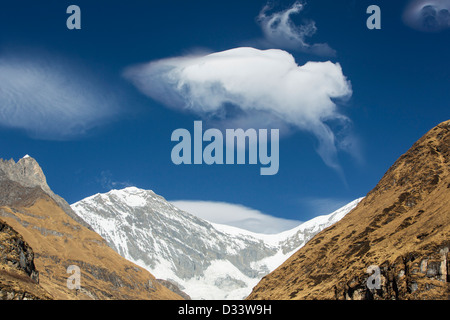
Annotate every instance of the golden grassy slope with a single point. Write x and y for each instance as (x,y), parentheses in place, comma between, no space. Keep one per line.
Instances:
(402,226)
(58,241)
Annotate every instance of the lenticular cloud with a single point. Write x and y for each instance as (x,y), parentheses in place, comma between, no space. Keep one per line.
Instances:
(244,84)
(50,99)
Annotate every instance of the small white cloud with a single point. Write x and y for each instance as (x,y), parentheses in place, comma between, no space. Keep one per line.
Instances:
(237,216)
(428,15)
(107,182)
(247,85)
(50,98)
(281,32)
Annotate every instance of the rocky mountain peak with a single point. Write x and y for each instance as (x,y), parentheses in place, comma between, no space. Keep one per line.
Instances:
(22,182)
(26,172)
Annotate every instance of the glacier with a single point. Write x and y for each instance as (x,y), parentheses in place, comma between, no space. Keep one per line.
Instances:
(206,260)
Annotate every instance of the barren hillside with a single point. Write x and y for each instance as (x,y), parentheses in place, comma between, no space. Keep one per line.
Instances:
(402,227)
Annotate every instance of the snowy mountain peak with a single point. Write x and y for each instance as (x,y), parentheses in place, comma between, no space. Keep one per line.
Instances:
(206,260)
(132,190)
(132,196)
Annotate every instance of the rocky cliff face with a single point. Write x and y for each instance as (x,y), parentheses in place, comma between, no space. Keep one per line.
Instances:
(393,245)
(19,279)
(60,241)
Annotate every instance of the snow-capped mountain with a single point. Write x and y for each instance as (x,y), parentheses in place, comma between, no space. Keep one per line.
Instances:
(206,260)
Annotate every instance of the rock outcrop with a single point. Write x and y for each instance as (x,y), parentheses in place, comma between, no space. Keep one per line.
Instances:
(19,279)
(173,287)
(393,245)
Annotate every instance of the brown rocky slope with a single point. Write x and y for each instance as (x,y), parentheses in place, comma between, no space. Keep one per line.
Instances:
(19,279)
(402,227)
(43,221)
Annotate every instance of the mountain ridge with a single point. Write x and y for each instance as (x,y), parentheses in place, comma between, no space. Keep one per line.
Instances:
(207,260)
(401,228)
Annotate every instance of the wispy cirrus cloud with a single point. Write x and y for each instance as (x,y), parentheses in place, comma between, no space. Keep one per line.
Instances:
(52,98)
(281,32)
(320,206)
(254,87)
(107,181)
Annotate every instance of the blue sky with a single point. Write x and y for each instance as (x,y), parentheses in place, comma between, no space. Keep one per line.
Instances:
(68,100)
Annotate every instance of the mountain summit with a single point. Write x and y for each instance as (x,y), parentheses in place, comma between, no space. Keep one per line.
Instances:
(26,172)
(26,175)
(393,245)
